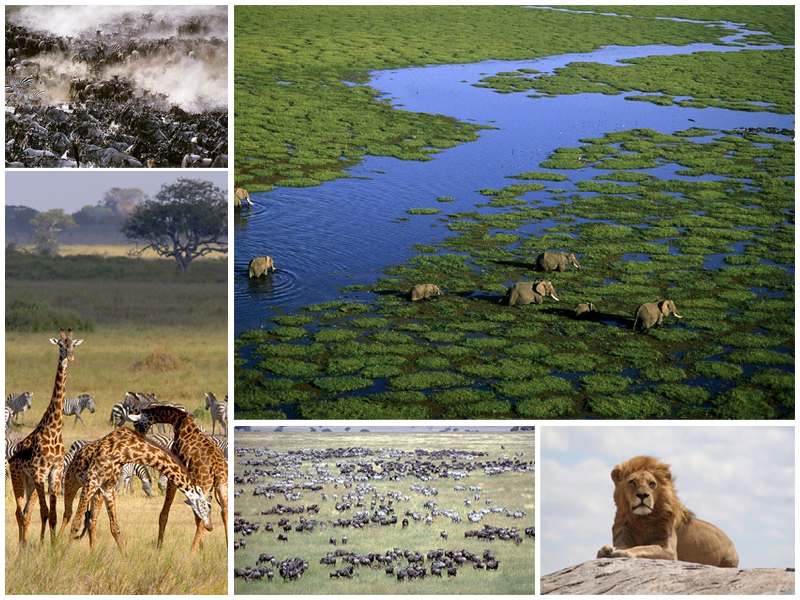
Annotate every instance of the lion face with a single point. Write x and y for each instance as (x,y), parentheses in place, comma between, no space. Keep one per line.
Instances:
(641,490)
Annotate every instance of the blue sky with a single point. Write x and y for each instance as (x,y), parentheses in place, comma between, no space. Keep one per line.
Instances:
(740,478)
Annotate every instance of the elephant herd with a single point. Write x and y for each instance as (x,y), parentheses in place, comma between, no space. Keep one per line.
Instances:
(521,293)
(648,315)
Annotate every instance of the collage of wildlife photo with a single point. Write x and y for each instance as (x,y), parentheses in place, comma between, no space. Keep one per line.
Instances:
(490,299)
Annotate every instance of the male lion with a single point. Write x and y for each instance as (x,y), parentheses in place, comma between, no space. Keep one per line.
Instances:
(652,523)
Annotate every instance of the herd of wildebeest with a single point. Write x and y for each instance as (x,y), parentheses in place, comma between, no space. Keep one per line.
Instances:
(85,100)
(327,498)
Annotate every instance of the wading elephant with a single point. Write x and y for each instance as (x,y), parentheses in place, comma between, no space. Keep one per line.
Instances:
(556,261)
(583,311)
(424,291)
(260,266)
(241,195)
(527,292)
(652,314)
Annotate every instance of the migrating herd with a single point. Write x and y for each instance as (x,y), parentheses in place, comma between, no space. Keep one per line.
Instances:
(39,467)
(86,101)
(379,492)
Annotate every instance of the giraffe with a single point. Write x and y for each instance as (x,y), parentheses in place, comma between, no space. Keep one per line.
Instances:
(96,467)
(39,458)
(204,459)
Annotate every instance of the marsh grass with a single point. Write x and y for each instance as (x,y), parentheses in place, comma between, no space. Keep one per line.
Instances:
(516,491)
(655,242)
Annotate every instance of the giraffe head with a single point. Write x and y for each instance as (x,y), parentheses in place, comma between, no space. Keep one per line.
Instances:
(201,507)
(65,345)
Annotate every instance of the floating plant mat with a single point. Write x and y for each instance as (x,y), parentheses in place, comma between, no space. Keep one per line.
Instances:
(714,232)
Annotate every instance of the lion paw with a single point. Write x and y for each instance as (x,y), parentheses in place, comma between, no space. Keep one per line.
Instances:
(605,551)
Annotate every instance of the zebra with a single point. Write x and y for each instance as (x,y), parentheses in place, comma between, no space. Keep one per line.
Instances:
(19,403)
(165,442)
(219,412)
(119,414)
(223,444)
(75,406)
(76,445)
(138,400)
(11,446)
(126,478)
(9,414)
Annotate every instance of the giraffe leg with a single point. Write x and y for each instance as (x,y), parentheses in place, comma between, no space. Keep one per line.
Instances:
(93,516)
(164,516)
(53,518)
(198,536)
(70,490)
(222,490)
(83,506)
(22,490)
(111,507)
(44,510)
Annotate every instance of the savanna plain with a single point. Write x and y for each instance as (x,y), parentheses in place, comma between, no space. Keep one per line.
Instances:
(145,328)
(430,480)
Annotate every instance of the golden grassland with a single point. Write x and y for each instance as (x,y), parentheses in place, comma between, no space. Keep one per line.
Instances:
(70,567)
(110,250)
(516,491)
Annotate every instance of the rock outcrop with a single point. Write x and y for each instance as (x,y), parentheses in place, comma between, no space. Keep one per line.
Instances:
(644,576)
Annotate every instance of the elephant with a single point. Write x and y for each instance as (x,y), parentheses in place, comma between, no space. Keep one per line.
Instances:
(260,266)
(424,291)
(556,261)
(582,311)
(651,314)
(241,195)
(525,292)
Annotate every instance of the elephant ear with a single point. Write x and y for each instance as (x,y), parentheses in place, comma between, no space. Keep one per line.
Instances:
(539,288)
(663,306)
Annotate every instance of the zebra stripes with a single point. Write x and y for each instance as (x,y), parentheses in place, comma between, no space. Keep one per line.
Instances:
(119,415)
(75,406)
(73,449)
(126,478)
(19,403)
(219,412)
(9,414)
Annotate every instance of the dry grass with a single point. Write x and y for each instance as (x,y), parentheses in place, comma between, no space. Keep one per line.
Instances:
(70,567)
(109,250)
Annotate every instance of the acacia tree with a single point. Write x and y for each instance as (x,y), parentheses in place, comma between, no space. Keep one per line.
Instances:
(186,219)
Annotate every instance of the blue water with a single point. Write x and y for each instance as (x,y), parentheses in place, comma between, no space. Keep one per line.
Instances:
(344,232)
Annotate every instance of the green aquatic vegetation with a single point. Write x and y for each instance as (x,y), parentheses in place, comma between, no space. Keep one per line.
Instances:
(428,380)
(640,406)
(482,409)
(345,366)
(335,335)
(423,211)
(540,176)
(664,374)
(432,363)
(288,367)
(761,357)
(572,362)
(359,409)
(288,350)
(546,384)
(368,322)
(504,369)
(743,403)
(717,370)
(342,383)
(445,199)
(604,384)
(291,320)
(550,407)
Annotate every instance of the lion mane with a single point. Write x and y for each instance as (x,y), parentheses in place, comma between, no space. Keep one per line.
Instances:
(651,522)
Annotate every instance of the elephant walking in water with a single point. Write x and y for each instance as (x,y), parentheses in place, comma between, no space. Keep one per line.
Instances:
(260,266)
(241,195)
(527,292)
(583,311)
(423,291)
(556,261)
(652,314)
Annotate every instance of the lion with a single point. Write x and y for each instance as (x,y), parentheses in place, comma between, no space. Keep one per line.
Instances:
(651,522)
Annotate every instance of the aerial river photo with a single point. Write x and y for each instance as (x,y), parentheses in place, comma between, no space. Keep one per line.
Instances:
(665,171)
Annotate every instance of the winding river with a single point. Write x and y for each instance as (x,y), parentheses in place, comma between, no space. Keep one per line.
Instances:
(344,232)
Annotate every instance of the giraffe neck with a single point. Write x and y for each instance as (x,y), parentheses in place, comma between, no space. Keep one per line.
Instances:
(150,455)
(53,417)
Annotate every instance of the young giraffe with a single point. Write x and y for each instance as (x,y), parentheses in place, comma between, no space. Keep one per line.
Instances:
(96,467)
(204,459)
(39,458)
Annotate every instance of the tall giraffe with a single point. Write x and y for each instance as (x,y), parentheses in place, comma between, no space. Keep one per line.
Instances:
(206,463)
(96,468)
(39,458)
